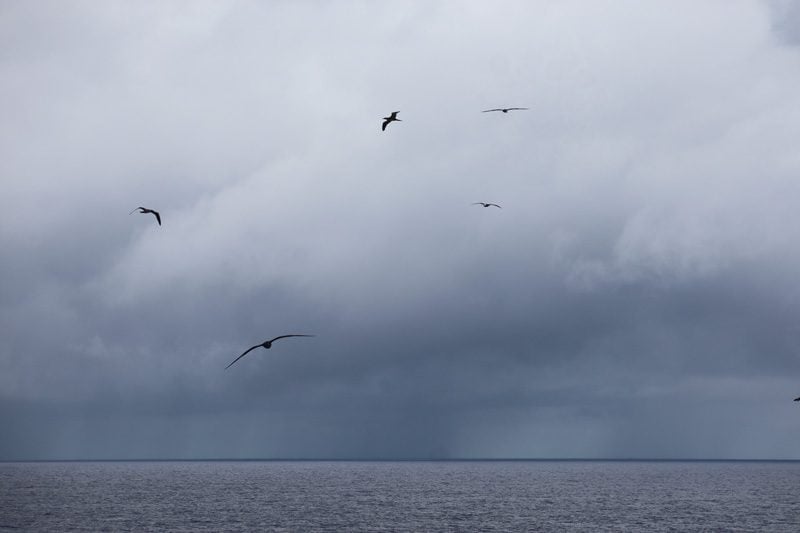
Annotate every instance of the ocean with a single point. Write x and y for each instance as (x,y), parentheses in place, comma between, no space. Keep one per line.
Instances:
(424,496)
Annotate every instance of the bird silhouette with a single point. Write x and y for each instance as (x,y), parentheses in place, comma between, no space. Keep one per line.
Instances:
(505,109)
(484,204)
(145,210)
(390,118)
(266,344)
(797,399)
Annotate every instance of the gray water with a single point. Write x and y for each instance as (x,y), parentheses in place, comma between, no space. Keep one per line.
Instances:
(400,496)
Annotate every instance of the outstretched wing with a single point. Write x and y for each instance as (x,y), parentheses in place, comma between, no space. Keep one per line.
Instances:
(385,122)
(158,217)
(245,353)
(497,206)
(132,212)
(517,108)
(490,110)
(284,336)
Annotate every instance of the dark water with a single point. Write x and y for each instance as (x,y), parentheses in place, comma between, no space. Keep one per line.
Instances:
(400,496)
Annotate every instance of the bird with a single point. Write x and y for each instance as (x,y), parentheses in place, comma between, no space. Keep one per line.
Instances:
(484,204)
(266,344)
(390,118)
(505,109)
(145,210)
(797,399)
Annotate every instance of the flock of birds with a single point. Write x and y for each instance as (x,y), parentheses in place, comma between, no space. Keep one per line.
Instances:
(386,121)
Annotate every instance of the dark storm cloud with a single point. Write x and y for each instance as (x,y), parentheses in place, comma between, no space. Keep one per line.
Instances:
(634,297)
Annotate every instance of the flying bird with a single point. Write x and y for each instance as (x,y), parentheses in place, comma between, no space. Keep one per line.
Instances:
(797,399)
(390,118)
(505,109)
(145,210)
(265,344)
(484,204)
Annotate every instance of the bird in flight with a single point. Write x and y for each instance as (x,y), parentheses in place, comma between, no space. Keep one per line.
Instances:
(484,204)
(390,118)
(505,109)
(266,344)
(797,399)
(145,210)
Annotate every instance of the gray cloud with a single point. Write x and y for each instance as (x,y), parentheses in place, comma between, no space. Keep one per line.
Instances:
(634,298)
(786,21)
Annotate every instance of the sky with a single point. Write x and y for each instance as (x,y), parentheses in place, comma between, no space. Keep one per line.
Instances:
(635,297)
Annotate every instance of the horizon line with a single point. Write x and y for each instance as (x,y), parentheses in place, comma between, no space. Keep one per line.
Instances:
(410,460)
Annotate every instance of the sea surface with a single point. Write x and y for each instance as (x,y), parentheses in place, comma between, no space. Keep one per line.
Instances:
(400,496)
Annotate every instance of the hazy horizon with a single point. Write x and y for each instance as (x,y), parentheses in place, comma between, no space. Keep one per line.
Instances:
(409,459)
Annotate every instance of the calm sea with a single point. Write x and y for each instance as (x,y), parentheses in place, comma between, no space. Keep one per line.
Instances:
(400,496)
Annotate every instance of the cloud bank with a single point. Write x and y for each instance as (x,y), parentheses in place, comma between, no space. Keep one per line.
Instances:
(635,297)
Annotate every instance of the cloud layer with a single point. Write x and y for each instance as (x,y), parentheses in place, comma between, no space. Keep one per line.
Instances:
(635,297)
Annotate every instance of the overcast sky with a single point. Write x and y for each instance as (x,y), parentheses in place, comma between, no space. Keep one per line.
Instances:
(636,296)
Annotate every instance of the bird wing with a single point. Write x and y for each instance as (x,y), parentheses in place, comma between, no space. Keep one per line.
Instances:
(490,110)
(284,336)
(385,122)
(797,399)
(158,217)
(497,206)
(132,212)
(394,114)
(247,351)
(477,203)
(520,108)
